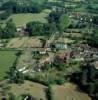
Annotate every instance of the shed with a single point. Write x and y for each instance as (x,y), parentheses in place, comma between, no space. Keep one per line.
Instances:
(61,45)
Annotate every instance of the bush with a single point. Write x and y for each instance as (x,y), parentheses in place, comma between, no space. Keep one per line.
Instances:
(50,93)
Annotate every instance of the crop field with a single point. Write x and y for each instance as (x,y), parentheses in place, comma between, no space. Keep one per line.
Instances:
(7,58)
(68,92)
(22,19)
(24,42)
(35,89)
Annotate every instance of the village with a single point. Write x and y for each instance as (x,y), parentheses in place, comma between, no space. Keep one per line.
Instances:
(49,50)
(58,49)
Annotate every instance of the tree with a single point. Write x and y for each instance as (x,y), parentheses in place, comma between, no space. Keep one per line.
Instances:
(62,66)
(87,79)
(60,80)
(38,28)
(9,30)
(53,27)
(19,77)
(12,96)
(59,64)
(1,32)
(47,66)
(64,22)
(92,41)
(5,14)
(50,93)
(54,17)
(34,28)
(91,88)
(84,77)
(16,7)
(92,73)
(14,75)
(9,5)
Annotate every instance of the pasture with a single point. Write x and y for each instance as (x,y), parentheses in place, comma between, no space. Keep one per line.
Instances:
(7,58)
(68,92)
(21,19)
(35,89)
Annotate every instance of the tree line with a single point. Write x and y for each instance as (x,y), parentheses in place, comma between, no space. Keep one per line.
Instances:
(87,79)
(13,7)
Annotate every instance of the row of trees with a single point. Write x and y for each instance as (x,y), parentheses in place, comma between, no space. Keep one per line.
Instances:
(50,93)
(14,75)
(13,7)
(8,31)
(92,9)
(5,15)
(61,19)
(95,20)
(37,28)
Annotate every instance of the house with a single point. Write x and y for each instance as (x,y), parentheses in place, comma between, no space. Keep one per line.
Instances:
(43,51)
(19,29)
(48,49)
(61,45)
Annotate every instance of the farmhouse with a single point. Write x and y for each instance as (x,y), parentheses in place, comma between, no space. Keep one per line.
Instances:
(19,29)
(60,45)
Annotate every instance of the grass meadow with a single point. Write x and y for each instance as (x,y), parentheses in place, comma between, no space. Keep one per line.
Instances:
(7,58)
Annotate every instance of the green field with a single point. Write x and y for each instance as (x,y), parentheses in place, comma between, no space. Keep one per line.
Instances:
(22,19)
(6,60)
